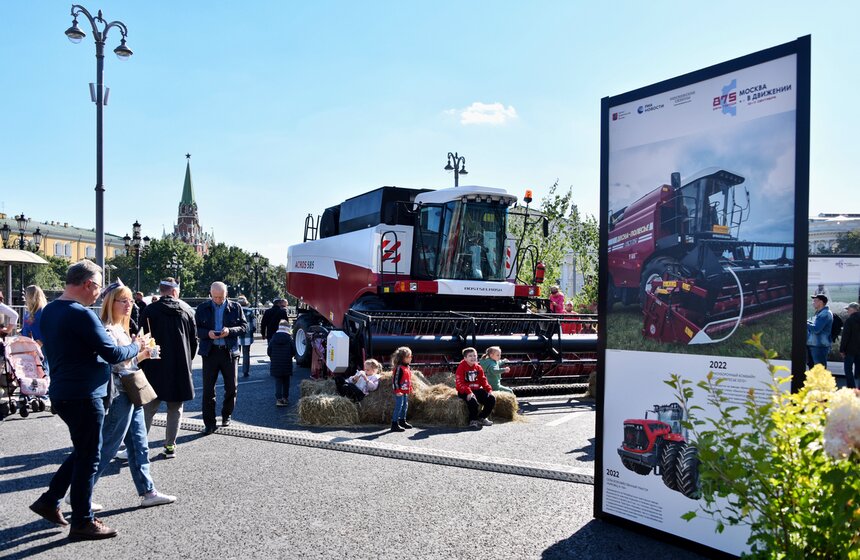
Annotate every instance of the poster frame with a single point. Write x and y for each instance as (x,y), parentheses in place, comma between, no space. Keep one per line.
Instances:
(801,47)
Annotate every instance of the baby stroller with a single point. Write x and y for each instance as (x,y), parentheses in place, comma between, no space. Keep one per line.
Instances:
(22,368)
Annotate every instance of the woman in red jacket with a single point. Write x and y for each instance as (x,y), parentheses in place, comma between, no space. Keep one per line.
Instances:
(472,386)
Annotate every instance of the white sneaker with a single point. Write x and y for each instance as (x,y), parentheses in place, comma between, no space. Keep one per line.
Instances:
(94,506)
(122,455)
(485,422)
(156,498)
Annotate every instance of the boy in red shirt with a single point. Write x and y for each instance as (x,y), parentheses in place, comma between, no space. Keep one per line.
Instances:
(472,386)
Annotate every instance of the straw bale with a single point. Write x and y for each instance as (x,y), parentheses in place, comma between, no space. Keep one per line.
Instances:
(327,410)
(442,378)
(592,384)
(309,387)
(506,406)
(377,406)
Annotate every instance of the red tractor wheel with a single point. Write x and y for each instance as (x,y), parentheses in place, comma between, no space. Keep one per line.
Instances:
(687,471)
(668,456)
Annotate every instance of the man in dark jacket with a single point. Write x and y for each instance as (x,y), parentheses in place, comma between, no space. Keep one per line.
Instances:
(850,345)
(220,323)
(272,318)
(170,321)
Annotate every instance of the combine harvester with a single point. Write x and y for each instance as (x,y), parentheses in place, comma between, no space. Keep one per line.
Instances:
(435,271)
(677,251)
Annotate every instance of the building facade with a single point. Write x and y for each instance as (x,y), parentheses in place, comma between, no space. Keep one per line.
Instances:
(824,230)
(61,239)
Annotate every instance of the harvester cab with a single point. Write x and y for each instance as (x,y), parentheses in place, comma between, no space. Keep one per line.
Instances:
(677,251)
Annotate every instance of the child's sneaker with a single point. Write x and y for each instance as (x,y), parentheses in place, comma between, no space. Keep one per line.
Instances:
(282,402)
(122,455)
(405,424)
(485,422)
(395,427)
(475,424)
(170,452)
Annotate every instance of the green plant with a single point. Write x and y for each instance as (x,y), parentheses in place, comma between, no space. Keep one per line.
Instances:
(787,465)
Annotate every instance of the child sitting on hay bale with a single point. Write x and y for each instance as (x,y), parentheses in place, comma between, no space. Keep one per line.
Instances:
(361,384)
(473,387)
(401,382)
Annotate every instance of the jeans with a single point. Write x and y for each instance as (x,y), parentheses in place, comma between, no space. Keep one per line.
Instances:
(401,404)
(488,400)
(174,417)
(852,370)
(282,387)
(85,418)
(125,422)
(219,360)
(246,360)
(818,355)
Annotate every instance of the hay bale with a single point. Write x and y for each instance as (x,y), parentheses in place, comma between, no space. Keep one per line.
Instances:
(310,387)
(442,378)
(439,405)
(327,410)
(592,384)
(506,406)
(377,406)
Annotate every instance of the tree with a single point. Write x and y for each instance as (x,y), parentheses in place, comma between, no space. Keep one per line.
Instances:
(225,264)
(155,264)
(848,243)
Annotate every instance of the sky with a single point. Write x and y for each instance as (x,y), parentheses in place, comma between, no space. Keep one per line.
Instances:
(289,107)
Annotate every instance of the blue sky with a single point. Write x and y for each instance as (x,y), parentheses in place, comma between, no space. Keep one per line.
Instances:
(289,107)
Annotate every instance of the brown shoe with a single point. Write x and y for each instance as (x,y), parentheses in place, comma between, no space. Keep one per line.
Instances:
(49,512)
(91,531)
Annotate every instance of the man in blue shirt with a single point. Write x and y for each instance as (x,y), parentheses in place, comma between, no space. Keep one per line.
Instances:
(79,350)
(818,328)
(220,323)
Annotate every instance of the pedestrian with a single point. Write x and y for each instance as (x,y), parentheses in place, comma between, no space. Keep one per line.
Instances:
(220,323)
(34,301)
(139,301)
(362,383)
(568,326)
(280,350)
(401,381)
(247,339)
(472,386)
(818,341)
(272,317)
(170,321)
(78,346)
(125,420)
(8,318)
(556,300)
(494,366)
(849,347)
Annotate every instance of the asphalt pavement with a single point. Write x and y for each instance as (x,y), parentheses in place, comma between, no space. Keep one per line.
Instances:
(270,486)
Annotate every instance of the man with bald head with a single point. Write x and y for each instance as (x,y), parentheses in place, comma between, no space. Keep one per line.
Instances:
(219,324)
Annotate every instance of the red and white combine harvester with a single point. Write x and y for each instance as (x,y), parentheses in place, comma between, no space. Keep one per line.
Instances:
(677,251)
(435,271)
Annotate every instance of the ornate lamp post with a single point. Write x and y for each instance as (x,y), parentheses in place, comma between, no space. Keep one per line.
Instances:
(176,264)
(6,231)
(139,244)
(254,266)
(457,164)
(99,97)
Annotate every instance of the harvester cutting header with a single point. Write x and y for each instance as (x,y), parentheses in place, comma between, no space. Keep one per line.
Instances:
(432,270)
(677,251)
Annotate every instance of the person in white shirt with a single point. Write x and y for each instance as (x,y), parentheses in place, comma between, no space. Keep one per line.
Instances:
(363,382)
(8,318)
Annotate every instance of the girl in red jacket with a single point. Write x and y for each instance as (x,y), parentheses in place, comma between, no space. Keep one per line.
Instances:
(473,387)
(401,382)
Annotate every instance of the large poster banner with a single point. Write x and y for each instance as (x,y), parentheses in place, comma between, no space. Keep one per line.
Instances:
(704,195)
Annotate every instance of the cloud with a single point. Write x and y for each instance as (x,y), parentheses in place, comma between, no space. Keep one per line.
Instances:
(485,113)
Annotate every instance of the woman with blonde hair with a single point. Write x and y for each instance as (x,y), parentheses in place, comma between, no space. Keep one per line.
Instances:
(35,301)
(124,420)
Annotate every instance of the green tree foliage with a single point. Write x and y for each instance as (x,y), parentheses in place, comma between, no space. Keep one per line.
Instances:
(848,243)
(569,231)
(155,264)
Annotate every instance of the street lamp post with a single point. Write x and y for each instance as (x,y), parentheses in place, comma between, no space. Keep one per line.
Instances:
(176,263)
(457,164)
(254,266)
(99,97)
(139,244)
(5,232)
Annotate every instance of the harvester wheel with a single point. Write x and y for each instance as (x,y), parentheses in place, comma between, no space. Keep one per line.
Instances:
(656,270)
(636,467)
(302,340)
(687,472)
(668,457)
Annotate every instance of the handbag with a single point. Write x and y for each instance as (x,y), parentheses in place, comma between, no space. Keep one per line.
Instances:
(137,388)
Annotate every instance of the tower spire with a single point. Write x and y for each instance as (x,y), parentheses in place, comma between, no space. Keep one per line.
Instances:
(188,187)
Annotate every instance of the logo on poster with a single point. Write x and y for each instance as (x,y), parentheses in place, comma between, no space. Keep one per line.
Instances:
(620,115)
(648,107)
(727,101)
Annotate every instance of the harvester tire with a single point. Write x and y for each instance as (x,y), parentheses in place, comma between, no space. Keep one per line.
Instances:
(302,341)
(668,458)
(636,467)
(687,472)
(656,269)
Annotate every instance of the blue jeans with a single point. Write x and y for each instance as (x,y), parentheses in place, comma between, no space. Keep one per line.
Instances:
(282,387)
(125,421)
(401,404)
(852,370)
(818,355)
(84,417)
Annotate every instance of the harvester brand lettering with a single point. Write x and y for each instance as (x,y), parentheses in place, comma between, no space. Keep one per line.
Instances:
(634,233)
(307,265)
(481,289)
(670,283)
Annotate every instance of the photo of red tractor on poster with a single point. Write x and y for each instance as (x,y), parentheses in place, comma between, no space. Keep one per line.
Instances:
(659,444)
